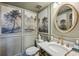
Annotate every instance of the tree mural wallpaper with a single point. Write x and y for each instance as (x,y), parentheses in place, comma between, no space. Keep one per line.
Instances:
(11,21)
(44,25)
(29,21)
(43,21)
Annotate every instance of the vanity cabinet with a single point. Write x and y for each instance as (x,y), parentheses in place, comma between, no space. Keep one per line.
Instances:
(43,53)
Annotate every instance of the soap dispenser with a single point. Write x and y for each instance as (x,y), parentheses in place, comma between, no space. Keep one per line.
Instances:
(39,37)
(77,42)
(40,40)
(76,45)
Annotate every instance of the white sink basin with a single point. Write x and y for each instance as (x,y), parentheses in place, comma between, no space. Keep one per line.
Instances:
(54,49)
(58,49)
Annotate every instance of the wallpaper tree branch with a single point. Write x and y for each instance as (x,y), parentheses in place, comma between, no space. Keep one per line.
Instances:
(11,20)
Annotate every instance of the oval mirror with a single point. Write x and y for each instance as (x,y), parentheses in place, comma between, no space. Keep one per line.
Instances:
(66,18)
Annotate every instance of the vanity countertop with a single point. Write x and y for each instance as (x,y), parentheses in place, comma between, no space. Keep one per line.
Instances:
(73,53)
(54,50)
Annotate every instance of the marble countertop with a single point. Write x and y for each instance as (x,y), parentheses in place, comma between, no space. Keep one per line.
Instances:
(73,53)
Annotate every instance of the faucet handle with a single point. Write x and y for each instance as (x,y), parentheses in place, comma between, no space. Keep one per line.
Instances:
(58,40)
(67,45)
(62,43)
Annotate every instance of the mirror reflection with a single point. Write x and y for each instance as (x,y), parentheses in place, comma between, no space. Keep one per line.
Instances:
(64,19)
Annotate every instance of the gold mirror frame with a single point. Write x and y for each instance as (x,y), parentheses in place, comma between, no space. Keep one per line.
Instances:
(75,18)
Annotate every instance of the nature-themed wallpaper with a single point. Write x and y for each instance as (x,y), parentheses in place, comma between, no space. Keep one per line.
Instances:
(11,20)
(43,26)
(29,21)
(43,21)
(44,37)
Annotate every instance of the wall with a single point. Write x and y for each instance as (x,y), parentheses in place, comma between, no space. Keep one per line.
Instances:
(74,34)
(29,37)
(71,36)
(12,44)
(45,13)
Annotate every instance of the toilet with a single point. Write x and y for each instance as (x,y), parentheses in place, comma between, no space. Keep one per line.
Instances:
(32,51)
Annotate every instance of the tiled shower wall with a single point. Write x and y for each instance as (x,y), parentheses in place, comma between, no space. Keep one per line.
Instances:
(12,44)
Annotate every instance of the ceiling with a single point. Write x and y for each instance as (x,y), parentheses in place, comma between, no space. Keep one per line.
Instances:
(34,6)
